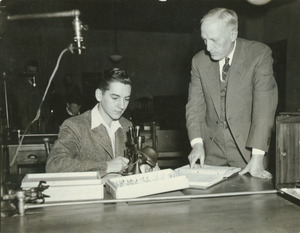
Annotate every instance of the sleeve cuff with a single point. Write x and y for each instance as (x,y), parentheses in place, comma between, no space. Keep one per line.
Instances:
(257,151)
(196,140)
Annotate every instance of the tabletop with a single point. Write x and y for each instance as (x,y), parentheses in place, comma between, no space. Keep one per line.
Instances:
(239,204)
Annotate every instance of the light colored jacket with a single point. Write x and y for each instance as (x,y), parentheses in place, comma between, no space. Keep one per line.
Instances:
(251,99)
(80,148)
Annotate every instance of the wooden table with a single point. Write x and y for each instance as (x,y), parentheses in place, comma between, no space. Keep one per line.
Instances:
(240,204)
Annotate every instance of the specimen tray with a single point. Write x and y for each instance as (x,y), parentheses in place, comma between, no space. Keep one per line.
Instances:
(144,184)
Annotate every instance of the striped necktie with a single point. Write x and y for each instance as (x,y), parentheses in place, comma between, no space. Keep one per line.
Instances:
(225,69)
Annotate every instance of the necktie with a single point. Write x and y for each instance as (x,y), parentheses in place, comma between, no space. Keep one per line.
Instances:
(225,69)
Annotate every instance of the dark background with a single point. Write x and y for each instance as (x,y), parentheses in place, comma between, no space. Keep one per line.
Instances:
(157,41)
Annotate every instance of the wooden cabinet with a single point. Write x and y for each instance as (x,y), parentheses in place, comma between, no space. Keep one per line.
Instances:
(287,150)
(32,154)
(31,158)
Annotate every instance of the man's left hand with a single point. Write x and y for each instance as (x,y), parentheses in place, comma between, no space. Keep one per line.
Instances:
(256,168)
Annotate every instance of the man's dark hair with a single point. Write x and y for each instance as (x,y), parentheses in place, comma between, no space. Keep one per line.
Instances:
(74,99)
(113,75)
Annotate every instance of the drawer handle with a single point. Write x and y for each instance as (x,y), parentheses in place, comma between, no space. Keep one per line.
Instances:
(31,156)
(283,154)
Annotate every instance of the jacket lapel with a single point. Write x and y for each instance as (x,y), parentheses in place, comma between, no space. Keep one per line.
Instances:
(104,140)
(120,146)
(237,69)
(212,80)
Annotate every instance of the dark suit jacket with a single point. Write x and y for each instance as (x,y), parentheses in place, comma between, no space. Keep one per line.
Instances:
(80,148)
(251,98)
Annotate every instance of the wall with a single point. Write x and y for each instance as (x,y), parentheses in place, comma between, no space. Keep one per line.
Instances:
(159,63)
(284,23)
(279,24)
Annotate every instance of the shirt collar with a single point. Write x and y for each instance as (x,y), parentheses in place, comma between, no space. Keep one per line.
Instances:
(97,120)
(230,56)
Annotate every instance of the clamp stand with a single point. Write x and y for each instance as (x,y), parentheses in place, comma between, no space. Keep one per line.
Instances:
(33,195)
(137,154)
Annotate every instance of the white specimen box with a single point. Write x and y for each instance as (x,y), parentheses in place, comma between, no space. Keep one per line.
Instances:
(145,184)
(67,186)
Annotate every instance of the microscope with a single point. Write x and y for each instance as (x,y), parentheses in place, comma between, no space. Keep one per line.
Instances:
(136,153)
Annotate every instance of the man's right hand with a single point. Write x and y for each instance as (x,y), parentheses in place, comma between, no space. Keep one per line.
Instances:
(118,164)
(197,153)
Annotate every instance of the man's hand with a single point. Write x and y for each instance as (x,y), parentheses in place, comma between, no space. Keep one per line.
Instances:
(197,153)
(256,168)
(147,168)
(118,164)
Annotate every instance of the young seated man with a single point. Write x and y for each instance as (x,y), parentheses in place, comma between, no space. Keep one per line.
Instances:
(95,140)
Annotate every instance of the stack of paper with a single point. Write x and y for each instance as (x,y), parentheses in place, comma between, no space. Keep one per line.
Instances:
(207,176)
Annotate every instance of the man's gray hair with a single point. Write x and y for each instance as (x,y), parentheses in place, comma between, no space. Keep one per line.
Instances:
(224,14)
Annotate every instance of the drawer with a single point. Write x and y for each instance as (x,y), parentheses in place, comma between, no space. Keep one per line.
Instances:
(30,158)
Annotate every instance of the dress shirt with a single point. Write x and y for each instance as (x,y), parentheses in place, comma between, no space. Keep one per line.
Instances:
(222,62)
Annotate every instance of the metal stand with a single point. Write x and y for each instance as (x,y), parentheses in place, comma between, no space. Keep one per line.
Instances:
(7,207)
(136,153)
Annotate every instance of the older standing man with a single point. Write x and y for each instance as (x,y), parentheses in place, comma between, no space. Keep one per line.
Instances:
(232,98)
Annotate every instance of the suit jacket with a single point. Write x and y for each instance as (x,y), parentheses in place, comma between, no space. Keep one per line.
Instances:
(251,98)
(80,148)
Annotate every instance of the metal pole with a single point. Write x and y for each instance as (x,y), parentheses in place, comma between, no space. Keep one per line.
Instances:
(72,13)
(6,101)
(153,199)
